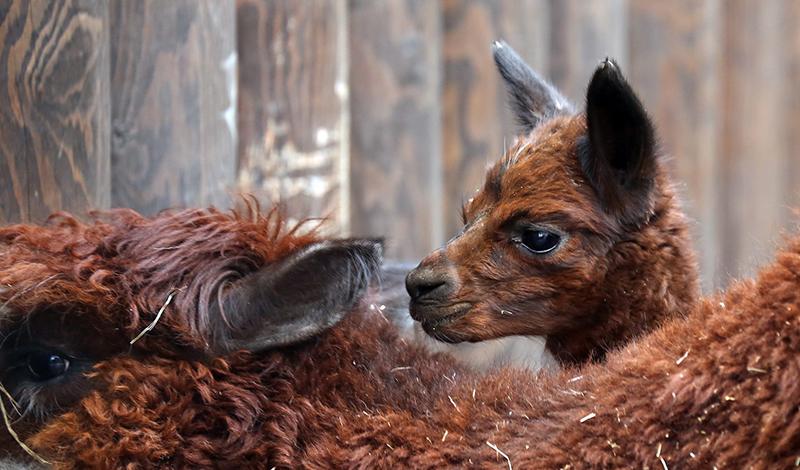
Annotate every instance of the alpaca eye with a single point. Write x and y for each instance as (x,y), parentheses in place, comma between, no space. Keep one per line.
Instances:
(46,366)
(539,241)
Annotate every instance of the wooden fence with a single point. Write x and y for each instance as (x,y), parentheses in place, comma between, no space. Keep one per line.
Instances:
(383,114)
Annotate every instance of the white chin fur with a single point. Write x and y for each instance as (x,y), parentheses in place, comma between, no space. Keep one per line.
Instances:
(8,463)
(524,352)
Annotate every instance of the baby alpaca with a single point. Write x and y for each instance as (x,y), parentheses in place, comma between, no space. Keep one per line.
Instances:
(574,245)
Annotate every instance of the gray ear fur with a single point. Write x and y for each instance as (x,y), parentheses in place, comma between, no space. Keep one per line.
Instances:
(296,298)
(531,96)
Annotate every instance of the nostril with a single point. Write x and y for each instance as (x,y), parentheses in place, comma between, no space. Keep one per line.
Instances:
(425,289)
(422,284)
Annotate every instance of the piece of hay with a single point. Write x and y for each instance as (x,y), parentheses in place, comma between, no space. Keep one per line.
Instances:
(497,449)
(682,358)
(453,402)
(11,429)
(155,321)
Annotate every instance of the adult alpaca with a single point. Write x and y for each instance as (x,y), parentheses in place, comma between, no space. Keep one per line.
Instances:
(574,245)
(180,299)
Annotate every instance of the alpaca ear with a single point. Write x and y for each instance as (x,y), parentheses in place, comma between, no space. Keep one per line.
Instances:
(296,298)
(619,156)
(532,98)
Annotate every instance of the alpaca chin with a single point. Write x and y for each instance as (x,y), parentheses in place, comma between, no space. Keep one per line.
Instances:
(522,352)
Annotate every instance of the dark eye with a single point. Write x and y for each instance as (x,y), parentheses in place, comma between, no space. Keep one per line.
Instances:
(539,241)
(45,365)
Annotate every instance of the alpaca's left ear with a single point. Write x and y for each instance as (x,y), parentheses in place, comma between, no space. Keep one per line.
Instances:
(619,154)
(295,298)
(533,99)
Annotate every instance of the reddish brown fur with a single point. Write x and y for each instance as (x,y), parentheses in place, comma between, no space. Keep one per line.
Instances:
(576,235)
(89,288)
(358,396)
(719,388)
(610,281)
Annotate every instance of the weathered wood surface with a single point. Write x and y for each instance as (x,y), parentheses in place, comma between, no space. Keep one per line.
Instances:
(54,102)
(754,153)
(674,60)
(791,111)
(396,128)
(582,33)
(293,105)
(173,76)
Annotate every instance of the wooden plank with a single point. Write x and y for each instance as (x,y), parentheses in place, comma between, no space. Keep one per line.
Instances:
(791,178)
(754,152)
(584,32)
(396,162)
(674,60)
(173,71)
(476,121)
(54,108)
(293,105)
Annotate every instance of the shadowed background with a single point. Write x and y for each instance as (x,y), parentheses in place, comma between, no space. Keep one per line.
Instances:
(382,115)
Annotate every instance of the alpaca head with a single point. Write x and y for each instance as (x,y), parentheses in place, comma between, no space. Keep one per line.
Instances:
(575,219)
(214,286)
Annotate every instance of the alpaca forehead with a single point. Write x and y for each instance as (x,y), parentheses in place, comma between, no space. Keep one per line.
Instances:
(565,201)
(542,158)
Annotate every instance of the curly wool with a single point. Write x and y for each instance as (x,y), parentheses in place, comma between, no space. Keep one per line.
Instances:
(358,396)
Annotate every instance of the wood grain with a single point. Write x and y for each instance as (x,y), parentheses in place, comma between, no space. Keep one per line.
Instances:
(582,33)
(293,106)
(173,74)
(791,115)
(754,152)
(476,121)
(674,60)
(396,127)
(54,108)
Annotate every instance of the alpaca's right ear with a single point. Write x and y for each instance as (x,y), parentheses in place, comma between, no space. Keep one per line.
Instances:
(295,298)
(532,98)
(619,156)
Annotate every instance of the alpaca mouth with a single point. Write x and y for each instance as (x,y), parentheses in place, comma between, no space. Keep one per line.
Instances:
(437,327)
(430,312)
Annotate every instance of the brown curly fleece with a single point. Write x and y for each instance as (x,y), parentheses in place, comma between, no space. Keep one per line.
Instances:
(719,387)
